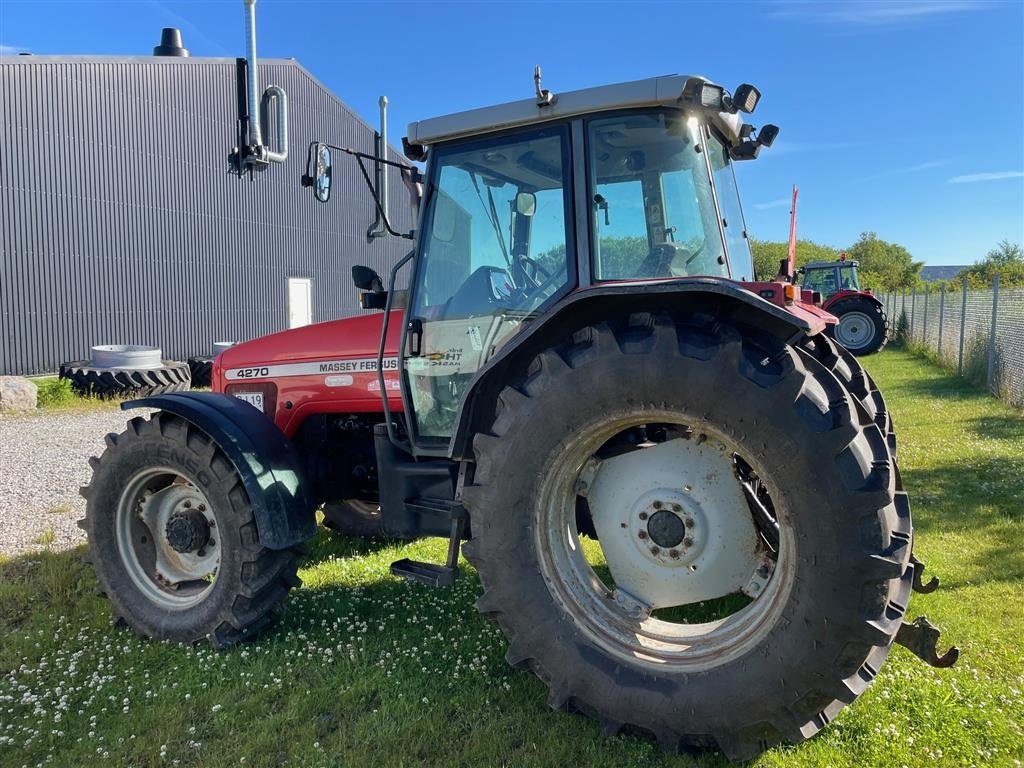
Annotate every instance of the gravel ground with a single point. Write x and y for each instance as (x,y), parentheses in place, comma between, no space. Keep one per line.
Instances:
(44,459)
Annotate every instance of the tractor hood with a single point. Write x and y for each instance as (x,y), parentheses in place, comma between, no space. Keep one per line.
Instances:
(350,337)
(334,357)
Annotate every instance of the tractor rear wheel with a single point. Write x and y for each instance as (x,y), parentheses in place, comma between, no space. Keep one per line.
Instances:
(857,381)
(173,540)
(751,566)
(861,327)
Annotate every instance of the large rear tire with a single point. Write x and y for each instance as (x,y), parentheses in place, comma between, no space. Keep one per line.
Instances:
(861,328)
(823,613)
(173,540)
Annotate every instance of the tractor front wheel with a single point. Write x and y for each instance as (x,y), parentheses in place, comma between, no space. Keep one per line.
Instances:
(750,567)
(173,540)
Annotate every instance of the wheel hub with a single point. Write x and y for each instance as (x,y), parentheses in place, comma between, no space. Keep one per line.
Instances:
(187,530)
(666,529)
(673,523)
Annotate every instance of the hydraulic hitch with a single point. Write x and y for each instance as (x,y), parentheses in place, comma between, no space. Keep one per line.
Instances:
(921,637)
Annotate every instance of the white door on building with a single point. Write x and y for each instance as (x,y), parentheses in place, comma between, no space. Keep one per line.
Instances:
(300,301)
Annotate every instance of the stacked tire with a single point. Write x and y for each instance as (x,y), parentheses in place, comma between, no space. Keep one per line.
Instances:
(86,380)
(201,370)
(126,371)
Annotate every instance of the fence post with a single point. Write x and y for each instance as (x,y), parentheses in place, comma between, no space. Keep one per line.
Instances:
(992,336)
(913,310)
(963,328)
(924,318)
(942,309)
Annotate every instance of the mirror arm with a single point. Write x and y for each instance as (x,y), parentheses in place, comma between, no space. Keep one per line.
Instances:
(376,197)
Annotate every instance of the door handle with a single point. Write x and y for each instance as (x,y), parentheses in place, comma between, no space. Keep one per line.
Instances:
(414,333)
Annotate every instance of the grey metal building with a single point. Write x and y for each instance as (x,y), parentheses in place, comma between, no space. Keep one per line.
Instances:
(120,222)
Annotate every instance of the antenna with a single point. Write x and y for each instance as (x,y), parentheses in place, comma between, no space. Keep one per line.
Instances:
(545,98)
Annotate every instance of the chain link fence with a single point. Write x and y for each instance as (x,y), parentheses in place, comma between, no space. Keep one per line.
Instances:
(979,334)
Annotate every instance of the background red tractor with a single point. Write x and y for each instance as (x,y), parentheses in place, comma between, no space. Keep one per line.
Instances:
(862,325)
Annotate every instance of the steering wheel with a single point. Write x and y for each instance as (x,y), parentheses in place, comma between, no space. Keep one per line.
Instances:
(541,274)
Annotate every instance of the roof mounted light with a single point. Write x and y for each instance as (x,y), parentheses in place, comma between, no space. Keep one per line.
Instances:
(749,148)
(699,92)
(745,99)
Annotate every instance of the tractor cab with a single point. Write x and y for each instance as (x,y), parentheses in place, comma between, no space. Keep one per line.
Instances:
(526,202)
(830,277)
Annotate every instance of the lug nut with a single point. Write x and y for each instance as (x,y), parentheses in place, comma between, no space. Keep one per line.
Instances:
(643,515)
(676,508)
(202,507)
(655,551)
(674,554)
(201,553)
(689,522)
(642,534)
(188,505)
(657,505)
(687,542)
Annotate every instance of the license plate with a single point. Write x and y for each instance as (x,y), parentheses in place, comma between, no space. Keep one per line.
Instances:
(254,399)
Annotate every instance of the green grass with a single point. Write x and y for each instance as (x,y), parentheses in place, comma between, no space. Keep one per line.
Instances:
(366,670)
(55,394)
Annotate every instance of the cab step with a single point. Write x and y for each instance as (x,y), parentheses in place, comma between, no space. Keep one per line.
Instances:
(431,574)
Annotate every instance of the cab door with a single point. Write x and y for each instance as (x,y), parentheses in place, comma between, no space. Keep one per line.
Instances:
(495,248)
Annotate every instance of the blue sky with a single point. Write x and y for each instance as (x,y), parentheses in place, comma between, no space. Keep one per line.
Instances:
(906,118)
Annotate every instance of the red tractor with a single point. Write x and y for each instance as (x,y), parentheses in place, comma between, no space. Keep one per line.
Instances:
(681,497)
(861,326)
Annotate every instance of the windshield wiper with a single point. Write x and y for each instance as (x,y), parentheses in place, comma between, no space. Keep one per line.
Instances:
(492,216)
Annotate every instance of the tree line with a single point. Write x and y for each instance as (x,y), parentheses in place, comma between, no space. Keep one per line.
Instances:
(886,266)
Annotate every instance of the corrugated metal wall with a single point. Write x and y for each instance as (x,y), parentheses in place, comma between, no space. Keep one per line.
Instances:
(122,225)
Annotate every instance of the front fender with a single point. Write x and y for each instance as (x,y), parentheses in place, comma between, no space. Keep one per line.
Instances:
(717,296)
(267,462)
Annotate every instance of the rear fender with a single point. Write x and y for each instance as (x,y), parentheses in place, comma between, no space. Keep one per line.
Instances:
(267,462)
(720,297)
(844,295)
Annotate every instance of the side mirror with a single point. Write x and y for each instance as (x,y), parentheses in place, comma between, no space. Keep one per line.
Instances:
(367,279)
(318,171)
(526,203)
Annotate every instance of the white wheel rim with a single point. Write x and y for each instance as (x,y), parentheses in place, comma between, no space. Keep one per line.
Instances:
(855,330)
(620,620)
(171,579)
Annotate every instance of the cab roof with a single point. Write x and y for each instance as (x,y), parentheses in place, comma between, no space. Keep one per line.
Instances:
(665,91)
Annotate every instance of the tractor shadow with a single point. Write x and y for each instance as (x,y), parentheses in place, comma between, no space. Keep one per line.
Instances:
(980,499)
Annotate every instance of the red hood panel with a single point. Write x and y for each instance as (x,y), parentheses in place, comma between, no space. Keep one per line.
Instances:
(328,367)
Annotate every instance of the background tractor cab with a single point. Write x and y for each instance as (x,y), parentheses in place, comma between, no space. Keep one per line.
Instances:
(862,326)
(831,277)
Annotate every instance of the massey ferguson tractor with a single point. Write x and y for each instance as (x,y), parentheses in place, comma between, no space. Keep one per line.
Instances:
(861,326)
(679,493)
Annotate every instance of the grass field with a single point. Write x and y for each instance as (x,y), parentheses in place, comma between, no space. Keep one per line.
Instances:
(366,670)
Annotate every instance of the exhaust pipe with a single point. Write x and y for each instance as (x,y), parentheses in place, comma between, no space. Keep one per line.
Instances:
(379,229)
(262,154)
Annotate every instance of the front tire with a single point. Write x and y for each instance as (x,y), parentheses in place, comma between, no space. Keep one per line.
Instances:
(818,627)
(173,540)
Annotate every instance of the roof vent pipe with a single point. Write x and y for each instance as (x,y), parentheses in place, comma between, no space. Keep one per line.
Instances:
(382,231)
(260,154)
(170,43)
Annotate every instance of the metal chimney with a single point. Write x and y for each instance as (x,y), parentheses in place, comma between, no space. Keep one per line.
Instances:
(170,43)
